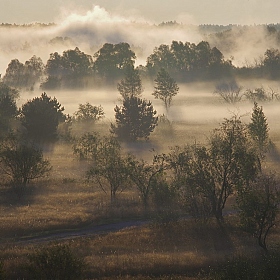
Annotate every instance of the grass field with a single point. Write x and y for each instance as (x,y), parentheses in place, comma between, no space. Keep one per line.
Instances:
(179,250)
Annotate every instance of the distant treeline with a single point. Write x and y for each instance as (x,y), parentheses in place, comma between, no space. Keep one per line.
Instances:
(185,62)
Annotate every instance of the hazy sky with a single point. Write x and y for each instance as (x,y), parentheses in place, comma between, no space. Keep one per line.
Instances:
(187,11)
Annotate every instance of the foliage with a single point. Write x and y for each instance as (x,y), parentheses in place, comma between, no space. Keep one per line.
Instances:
(189,61)
(131,85)
(143,175)
(26,75)
(8,108)
(259,131)
(22,162)
(40,117)
(68,69)
(261,95)
(166,87)
(264,267)
(55,262)
(271,63)
(134,119)
(259,204)
(109,168)
(230,92)
(207,176)
(112,60)
(88,112)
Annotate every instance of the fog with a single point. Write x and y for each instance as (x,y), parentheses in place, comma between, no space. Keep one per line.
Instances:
(90,30)
(195,102)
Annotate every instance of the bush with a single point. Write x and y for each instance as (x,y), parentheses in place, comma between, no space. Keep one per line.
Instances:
(265,267)
(55,262)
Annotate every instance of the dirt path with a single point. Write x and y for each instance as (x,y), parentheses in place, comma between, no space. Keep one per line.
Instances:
(71,234)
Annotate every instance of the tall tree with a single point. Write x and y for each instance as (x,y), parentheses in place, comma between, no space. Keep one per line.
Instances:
(135,119)
(259,131)
(112,59)
(131,85)
(8,108)
(209,175)
(166,88)
(259,206)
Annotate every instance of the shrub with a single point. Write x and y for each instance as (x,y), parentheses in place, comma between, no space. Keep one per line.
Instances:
(55,262)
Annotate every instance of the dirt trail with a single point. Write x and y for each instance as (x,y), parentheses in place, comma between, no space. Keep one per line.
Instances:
(71,234)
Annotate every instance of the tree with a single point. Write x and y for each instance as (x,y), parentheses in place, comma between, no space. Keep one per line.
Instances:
(40,117)
(108,166)
(88,112)
(259,131)
(207,176)
(134,119)
(68,69)
(259,205)
(22,162)
(24,75)
(271,63)
(14,74)
(143,175)
(166,88)
(131,85)
(112,59)
(8,108)
(229,91)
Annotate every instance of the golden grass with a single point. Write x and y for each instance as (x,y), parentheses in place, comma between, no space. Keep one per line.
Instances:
(181,250)
(65,201)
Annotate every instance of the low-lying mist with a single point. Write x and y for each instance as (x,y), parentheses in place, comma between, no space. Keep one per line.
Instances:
(89,31)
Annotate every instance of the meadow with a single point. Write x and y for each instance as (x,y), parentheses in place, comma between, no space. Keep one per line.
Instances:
(63,201)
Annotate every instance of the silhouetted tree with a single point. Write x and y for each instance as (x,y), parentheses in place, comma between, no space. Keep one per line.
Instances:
(259,131)
(108,168)
(112,59)
(271,63)
(135,119)
(259,206)
(230,92)
(22,162)
(209,175)
(26,75)
(131,85)
(40,117)
(88,112)
(166,88)
(8,108)
(68,69)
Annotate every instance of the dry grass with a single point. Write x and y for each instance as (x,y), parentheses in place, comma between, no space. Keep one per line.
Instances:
(182,249)
(65,201)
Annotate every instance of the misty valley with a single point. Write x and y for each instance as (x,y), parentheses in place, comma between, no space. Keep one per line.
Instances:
(132,150)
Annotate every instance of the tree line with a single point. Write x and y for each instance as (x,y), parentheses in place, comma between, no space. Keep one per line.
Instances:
(185,62)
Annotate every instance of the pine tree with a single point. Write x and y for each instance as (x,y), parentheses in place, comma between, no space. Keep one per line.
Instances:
(134,119)
(131,85)
(258,129)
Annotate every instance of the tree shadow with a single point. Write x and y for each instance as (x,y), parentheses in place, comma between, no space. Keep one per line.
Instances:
(14,196)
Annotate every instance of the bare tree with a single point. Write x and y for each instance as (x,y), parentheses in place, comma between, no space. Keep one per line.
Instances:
(230,92)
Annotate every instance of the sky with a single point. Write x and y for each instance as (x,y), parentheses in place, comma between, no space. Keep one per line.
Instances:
(155,11)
